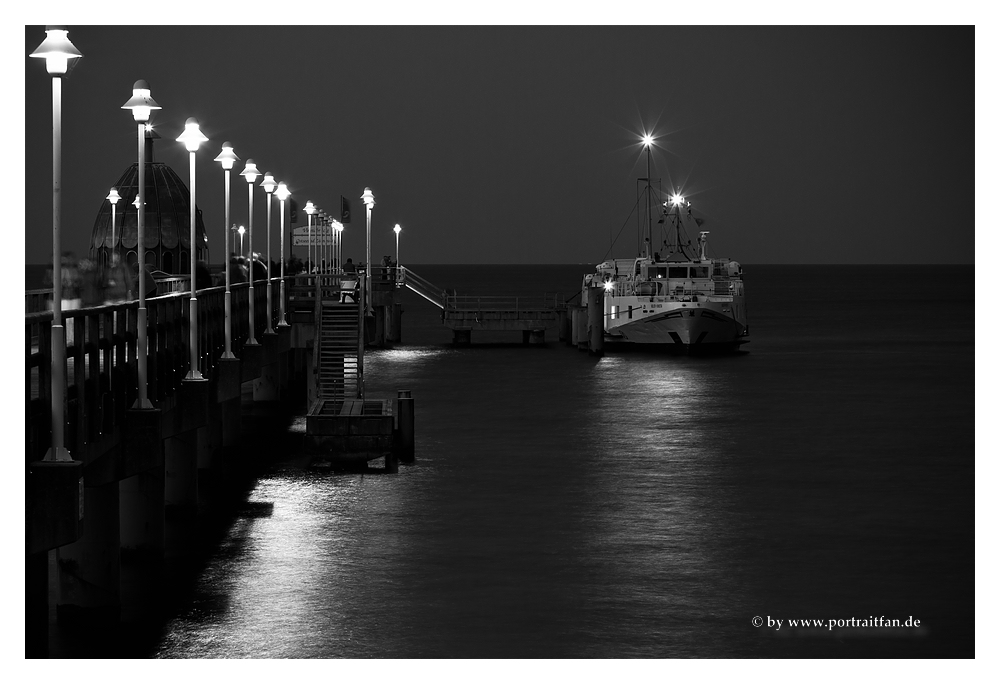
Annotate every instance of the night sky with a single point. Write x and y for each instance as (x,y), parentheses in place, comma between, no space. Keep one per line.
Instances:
(520,144)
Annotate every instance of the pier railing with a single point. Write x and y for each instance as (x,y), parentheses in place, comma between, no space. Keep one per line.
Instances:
(542,302)
(101,371)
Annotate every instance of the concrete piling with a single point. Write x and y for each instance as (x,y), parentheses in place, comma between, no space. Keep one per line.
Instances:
(404,426)
(595,320)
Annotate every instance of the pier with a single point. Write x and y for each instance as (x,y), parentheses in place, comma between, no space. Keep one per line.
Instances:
(133,469)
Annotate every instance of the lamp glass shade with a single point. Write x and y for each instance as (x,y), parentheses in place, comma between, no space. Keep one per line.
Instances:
(192,137)
(227,157)
(250,171)
(269,184)
(141,102)
(368,198)
(282,192)
(113,196)
(57,50)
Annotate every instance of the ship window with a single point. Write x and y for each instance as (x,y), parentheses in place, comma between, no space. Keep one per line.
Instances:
(678,271)
(614,312)
(661,272)
(699,271)
(630,312)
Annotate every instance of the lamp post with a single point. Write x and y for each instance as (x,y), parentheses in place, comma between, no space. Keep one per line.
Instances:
(113,197)
(282,194)
(141,104)
(321,239)
(269,184)
(369,199)
(242,230)
(250,172)
(57,51)
(228,158)
(338,227)
(397,231)
(192,137)
(310,210)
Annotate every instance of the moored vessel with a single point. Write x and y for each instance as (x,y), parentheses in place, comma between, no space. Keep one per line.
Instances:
(684,300)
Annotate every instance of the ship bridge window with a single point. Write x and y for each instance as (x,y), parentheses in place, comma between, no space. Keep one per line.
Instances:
(659,272)
(699,271)
(678,271)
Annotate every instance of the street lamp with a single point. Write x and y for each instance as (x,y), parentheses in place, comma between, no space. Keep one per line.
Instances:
(269,184)
(321,241)
(310,210)
(241,230)
(369,199)
(250,172)
(113,197)
(397,230)
(337,260)
(192,137)
(228,158)
(57,51)
(141,104)
(282,194)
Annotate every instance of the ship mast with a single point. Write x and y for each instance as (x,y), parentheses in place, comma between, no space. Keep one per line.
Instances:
(647,141)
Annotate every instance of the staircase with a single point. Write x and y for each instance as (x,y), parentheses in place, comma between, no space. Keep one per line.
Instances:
(340,366)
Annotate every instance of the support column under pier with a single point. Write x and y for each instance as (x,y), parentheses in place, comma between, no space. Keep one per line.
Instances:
(180,455)
(142,523)
(595,320)
(89,569)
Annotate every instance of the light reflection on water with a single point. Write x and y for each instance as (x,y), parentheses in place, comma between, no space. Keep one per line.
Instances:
(632,506)
(542,519)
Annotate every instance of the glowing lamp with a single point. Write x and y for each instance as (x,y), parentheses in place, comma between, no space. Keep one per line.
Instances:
(56,50)
(227,157)
(141,102)
(281,192)
(250,171)
(113,196)
(310,208)
(269,184)
(368,198)
(192,137)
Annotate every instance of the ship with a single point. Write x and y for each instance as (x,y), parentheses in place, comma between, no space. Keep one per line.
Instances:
(682,300)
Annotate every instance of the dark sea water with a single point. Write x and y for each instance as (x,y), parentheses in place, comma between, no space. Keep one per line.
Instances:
(637,505)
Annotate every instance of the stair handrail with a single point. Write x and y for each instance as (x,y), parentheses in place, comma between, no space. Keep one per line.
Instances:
(422,287)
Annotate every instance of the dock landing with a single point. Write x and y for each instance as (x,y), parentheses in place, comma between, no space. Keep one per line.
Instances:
(355,429)
(532,316)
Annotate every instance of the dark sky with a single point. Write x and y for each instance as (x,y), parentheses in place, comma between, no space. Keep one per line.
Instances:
(508,144)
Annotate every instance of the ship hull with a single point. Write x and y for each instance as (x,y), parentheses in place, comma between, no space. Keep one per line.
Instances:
(686,328)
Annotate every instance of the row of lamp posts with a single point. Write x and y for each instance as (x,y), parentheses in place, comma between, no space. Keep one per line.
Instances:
(57,50)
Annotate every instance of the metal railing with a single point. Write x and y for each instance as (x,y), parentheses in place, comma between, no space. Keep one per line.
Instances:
(421,286)
(101,371)
(544,302)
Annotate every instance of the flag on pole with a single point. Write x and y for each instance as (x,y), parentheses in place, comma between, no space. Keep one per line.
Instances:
(345,210)
(293,208)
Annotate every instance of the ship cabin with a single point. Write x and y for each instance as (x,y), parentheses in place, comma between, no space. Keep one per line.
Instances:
(669,280)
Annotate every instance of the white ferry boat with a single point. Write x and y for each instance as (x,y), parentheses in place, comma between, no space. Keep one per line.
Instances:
(684,300)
